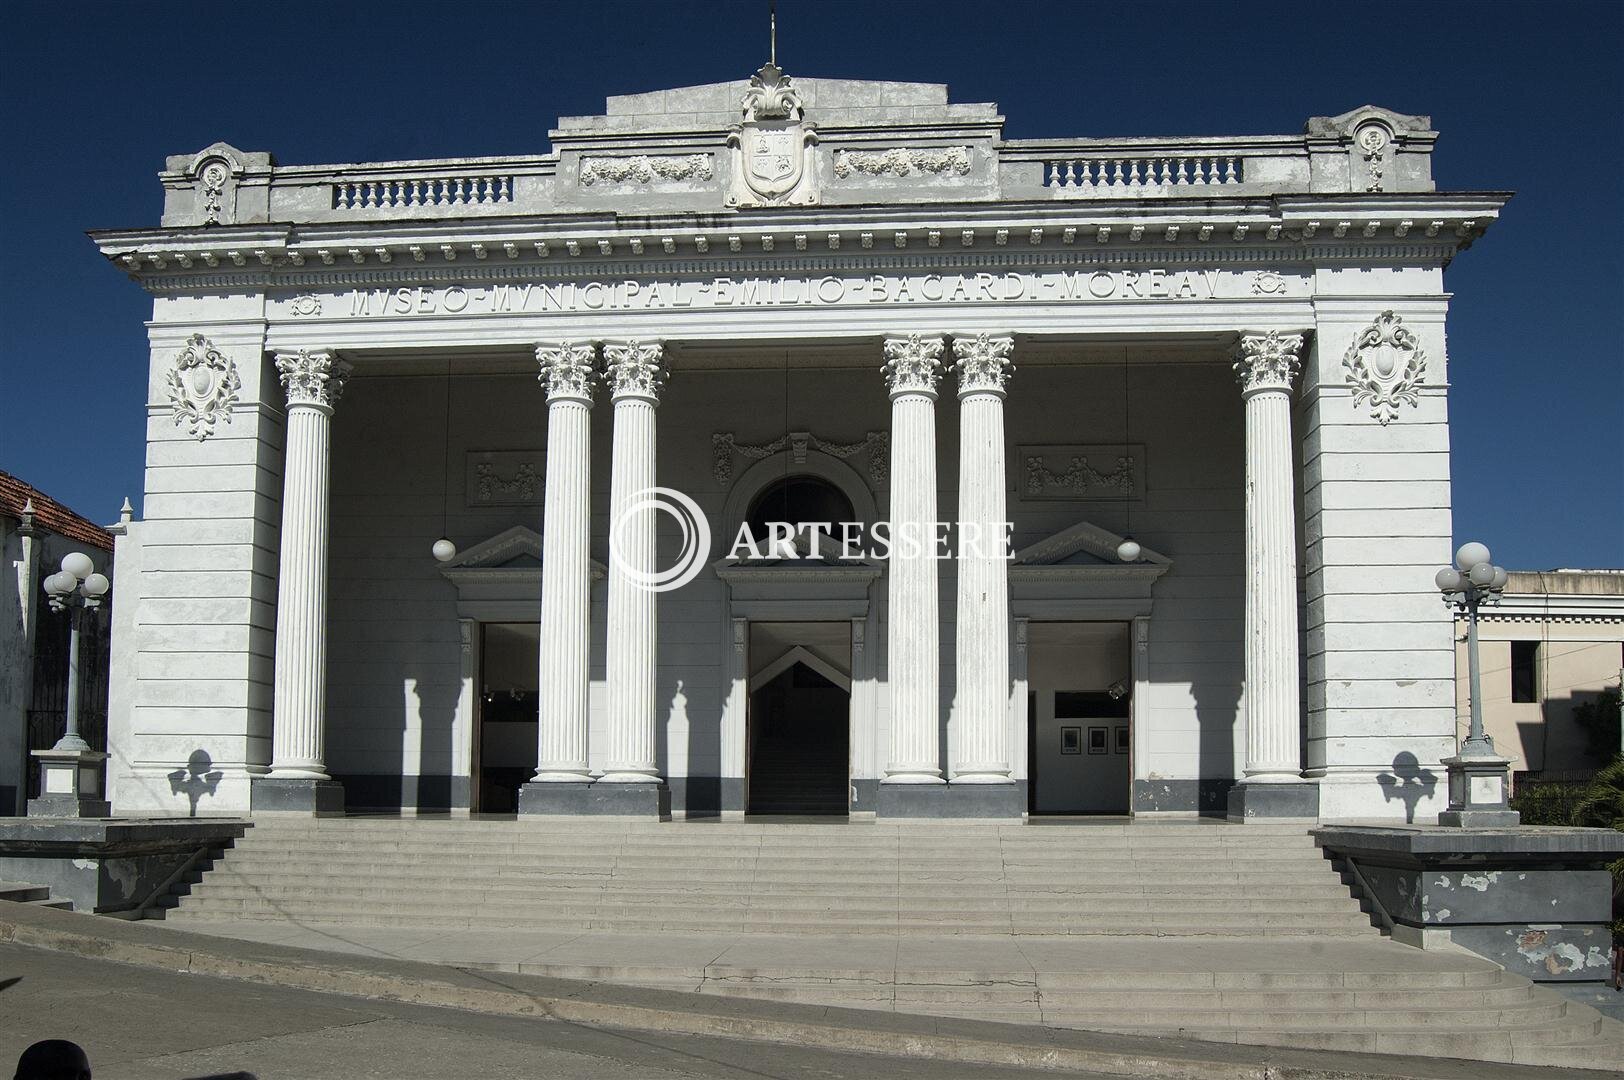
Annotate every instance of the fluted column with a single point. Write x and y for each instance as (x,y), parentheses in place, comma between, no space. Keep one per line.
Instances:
(981,745)
(1266,364)
(635,373)
(561,752)
(912,366)
(313,381)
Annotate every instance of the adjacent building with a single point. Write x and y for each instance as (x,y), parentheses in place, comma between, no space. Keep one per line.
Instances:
(1202,382)
(36,531)
(1550,651)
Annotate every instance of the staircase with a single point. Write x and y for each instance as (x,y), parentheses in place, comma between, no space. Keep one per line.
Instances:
(931,880)
(1203,930)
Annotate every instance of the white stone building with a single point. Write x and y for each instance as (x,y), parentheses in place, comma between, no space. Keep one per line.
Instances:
(808,300)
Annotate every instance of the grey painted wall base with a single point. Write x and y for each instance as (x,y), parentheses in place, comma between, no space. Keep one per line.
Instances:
(950,801)
(706,796)
(425,793)
(68,806)
(276,795)
(1209,795)
(106,865)
(1274,802)
(649,801)
(1536,900)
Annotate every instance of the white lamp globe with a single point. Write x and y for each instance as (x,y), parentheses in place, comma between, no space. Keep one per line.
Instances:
(1449,580)
(1500,578)
(79,565)
(1129,550)
(1470,555)
(61,583)
(1481,574)
(97,585)
(444,550)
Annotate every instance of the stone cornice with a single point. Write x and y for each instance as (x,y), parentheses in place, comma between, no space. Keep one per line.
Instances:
(1301,229)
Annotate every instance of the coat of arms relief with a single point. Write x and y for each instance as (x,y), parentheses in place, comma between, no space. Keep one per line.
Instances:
(772,149)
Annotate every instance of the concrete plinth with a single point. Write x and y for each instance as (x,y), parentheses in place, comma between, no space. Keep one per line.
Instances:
(276,795)
(648,801)
(68,806)
(950,801)
(108,865)
(1536,900)
(1273,802)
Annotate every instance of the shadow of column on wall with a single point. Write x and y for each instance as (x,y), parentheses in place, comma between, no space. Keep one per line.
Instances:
(1408,782)
(437,698)
(198,779)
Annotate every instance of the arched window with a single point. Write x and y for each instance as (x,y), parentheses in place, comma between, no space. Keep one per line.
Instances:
(798,499)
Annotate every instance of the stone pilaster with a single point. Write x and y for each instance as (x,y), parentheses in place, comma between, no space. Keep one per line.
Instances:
(981,714)
(1266,364)
(912,367)
(567,373)
(298,779)
(635,372)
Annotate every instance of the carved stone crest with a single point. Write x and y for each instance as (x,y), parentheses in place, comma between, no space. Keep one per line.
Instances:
(203,385)
(1385,365)
(772,147)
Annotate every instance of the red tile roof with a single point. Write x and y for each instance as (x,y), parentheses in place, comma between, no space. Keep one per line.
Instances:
(50,514)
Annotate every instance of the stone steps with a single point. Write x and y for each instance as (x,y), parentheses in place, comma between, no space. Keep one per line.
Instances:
(224,887)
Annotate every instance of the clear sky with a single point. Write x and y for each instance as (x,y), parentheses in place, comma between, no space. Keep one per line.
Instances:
(1528,97)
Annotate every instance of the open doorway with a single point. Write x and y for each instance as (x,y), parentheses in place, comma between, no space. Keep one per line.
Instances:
(798,734)
(1079,726)
(509,703)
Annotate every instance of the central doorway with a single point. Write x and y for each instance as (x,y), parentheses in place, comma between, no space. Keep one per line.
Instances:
(798,731)
(1079,718)
(509,698)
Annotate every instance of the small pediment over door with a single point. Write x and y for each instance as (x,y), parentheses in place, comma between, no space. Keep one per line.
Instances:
(1076,574)
(500,578)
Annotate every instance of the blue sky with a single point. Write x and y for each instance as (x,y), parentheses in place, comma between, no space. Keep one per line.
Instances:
(1528,97)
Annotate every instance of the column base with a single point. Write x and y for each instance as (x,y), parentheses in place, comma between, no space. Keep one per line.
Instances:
(289,795)
(68,806)
(1292,801)
(1005,801)
(650,802)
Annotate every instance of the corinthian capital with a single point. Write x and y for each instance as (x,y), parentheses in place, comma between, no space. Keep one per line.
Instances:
(982,363)
(1268,361)
(635,368)
(566,369)
(312,376)
(912,364)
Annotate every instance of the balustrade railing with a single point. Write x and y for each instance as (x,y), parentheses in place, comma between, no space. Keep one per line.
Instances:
(1155,173)
(447,191)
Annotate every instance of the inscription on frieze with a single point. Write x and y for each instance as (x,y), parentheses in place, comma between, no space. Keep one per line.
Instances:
(1082,286)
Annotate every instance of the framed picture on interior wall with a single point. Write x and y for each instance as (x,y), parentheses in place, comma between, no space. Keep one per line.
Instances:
(1071,740)
(1122,739)
(1098,740)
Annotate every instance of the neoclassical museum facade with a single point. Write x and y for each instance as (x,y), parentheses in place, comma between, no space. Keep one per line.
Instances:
(406,422)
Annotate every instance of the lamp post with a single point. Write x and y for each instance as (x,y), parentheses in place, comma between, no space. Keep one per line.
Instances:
(1478,791)
(70,771)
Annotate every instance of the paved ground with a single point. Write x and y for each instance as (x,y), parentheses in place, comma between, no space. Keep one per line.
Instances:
(1604,999)
(141,1024)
